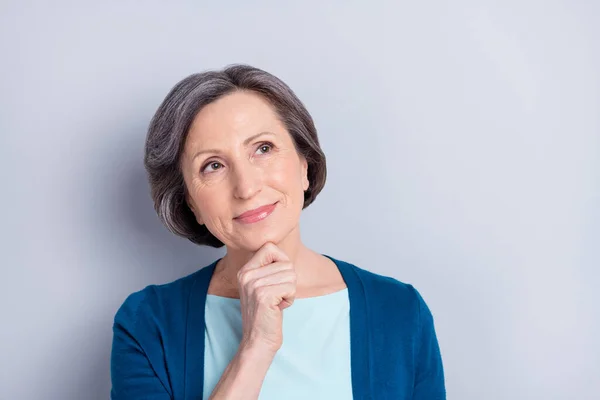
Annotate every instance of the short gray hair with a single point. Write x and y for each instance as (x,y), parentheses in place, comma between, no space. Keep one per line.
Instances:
(170,125)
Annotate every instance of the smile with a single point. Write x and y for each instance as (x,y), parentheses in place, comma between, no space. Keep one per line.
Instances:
(258,214)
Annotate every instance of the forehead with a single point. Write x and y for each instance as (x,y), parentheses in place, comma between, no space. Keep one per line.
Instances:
(234,116)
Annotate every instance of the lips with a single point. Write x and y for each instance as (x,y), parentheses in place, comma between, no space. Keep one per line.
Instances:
(256,214)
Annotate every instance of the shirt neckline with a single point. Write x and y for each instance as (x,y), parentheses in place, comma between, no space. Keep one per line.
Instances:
(299,300)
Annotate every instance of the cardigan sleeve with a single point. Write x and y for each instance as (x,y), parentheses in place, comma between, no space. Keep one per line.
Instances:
(132,374)
(429,374)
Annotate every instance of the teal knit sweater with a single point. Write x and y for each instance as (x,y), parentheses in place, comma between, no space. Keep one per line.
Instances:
(158,341)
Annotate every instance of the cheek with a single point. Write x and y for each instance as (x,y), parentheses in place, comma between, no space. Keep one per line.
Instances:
(214,201)
(209,200)
(285,175)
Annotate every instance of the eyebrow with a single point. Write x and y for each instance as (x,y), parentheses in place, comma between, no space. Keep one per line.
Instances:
(246,142)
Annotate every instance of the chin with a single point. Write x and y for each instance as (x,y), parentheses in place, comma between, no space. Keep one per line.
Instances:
(257,237)
(255,243)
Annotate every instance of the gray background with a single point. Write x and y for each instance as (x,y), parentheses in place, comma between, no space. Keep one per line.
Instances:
(463,145)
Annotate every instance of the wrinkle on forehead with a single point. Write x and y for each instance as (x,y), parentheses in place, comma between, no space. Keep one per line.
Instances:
(230,120)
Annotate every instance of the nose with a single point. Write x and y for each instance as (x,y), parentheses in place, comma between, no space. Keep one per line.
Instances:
(247,181)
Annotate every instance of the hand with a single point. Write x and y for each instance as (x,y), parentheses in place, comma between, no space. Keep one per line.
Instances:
(267,284)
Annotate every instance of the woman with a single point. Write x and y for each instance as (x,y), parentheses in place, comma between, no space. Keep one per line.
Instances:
(233,158)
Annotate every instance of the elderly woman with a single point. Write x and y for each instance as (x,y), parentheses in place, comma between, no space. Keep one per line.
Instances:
(233,158)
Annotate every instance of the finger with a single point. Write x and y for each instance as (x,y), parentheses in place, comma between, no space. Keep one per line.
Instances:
(289,295)
(286,276)
(267,254)
(280,295)
(248,275)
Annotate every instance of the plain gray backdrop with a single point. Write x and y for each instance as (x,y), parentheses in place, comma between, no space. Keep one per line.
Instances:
(463,148)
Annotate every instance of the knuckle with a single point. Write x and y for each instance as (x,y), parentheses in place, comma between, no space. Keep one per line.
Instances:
(270,247)
(261,294)
(257,284)
(254,285)
(242,277)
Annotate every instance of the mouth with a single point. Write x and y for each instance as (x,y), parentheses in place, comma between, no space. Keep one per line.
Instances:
(257,214)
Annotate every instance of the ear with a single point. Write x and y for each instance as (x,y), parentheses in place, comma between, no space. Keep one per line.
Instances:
(304,166)
(190,203)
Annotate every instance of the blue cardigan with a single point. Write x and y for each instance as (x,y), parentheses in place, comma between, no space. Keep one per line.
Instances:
(158,341)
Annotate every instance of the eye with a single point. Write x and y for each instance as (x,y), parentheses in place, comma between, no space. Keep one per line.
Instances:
(213,164)
(268,146)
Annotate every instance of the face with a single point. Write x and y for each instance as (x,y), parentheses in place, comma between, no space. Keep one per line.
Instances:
(238,157)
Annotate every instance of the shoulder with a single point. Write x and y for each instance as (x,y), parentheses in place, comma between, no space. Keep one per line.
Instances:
(387,296)
(380,286)
(164,303)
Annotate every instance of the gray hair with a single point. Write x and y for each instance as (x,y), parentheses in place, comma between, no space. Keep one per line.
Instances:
(170,125)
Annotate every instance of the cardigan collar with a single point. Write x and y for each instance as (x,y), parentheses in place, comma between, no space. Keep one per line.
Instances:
(360,361)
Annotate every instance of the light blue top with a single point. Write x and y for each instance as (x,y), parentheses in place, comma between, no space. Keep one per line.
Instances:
(314,360)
